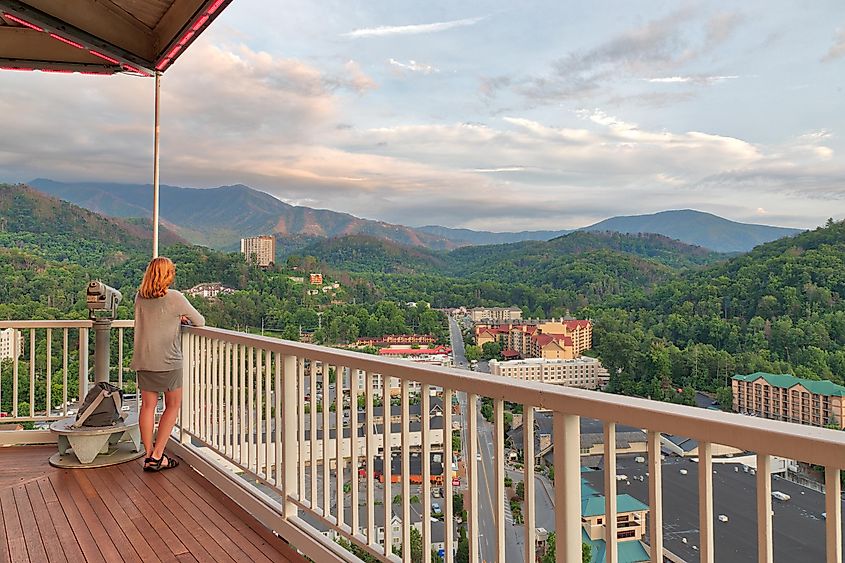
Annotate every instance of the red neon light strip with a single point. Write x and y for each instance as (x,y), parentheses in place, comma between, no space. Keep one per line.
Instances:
(214,7)
(131,68)
(199,23)
(57,71)
(105,57)
(162,64)
(14,68)
(186,38)
(25,23)
(68,41)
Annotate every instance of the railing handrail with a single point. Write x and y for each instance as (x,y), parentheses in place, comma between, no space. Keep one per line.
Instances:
(80,323)
(821,446)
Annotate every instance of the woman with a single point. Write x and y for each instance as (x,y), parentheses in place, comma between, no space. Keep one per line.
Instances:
(157,358)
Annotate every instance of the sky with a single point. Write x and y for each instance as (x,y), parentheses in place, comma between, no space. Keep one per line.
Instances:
(485,114)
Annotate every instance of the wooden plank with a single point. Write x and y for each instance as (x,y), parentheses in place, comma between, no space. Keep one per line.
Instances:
(251,530)
(101,511)
(178,513)
(68,540)
(87,544)
(34,544)
(104,497)
(69,494)
(14,546)
(107,478)
(49,534)
(171,534)
(207,518)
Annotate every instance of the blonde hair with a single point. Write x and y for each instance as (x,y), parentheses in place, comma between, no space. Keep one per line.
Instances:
(158,277)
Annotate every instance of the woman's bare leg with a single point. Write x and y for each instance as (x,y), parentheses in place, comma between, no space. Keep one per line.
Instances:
(172,404)
(147,419)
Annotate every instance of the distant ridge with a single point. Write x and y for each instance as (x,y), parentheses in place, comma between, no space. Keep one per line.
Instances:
(698,228)
(219,217)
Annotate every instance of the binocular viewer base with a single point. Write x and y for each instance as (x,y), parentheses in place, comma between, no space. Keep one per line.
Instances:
(96,446)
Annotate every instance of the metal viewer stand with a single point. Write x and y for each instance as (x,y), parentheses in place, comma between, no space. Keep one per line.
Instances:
(98,446)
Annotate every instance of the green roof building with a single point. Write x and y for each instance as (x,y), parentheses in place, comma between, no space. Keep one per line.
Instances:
(789,398)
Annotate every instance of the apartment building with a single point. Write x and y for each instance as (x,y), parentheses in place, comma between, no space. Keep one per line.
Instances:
(789,398)
(583,372)
(534,338)
(259,250)
(209,290)
(7,344)
(396,340)
(478,314)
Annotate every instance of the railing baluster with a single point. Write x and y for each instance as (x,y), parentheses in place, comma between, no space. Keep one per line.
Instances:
(325,443)
(764,508)
(312,446)
(187,387)
(258,451)
(268,416)
(425,423)
(371,448)
(705,501)
(472,474)
(833,506)
(250,391)
(32,372)
(16,350)
(229,416)
(499,459)
(238,401)
(567,463)
(528,483)
(49,399)
(282,482)
(447,473)
(353,449)
(300,449)
(292,484)
(655,497)
(340,463)
(214,440)
(64,371)
(387,469)
(119,357)
(610,523)
(83,363)
(222,371)
(204,386)
(406,472)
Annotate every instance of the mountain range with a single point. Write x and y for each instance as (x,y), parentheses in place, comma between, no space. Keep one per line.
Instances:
(219,217)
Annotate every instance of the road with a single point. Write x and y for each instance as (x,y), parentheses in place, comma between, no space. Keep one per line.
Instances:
(486,475)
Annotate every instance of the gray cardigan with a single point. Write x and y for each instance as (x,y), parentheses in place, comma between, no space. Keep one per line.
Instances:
(158,344)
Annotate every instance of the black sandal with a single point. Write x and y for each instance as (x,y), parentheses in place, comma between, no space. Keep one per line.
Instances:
(148,461)
(157,463)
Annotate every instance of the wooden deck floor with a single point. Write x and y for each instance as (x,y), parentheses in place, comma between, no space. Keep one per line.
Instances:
(120,513)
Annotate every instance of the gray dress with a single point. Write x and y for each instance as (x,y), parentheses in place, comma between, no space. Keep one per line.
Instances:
(157,356)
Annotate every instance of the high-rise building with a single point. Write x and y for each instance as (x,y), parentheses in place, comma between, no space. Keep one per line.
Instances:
(584,372)
(259,250)
(789,398)
(7,343)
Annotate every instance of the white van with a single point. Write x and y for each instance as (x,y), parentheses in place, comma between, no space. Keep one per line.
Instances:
(780,496)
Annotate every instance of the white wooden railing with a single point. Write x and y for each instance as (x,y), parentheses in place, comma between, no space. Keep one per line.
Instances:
(41,372)
(250,401)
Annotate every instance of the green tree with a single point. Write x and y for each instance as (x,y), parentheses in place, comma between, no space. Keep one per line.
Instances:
(549,556)
(462,555)
(473,353)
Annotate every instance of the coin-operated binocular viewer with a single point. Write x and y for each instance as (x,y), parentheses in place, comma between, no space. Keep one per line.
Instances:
(102,302)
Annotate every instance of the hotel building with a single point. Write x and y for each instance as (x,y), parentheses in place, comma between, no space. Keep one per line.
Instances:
(789,398)
(259,250)
(583,372)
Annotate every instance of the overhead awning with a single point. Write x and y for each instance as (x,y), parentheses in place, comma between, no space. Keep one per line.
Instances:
(101,36)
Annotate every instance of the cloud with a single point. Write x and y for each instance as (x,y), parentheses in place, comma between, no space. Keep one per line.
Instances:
(698,80)
(660,45)
(415,29)
(837,50)
(413,66)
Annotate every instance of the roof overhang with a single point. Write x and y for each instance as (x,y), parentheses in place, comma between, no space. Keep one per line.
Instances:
(101,36)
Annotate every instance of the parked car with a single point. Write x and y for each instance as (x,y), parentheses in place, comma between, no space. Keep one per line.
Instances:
(435,508)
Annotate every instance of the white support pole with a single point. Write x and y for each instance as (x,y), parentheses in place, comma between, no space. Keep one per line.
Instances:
(610,524)
(655,497)
(156,163)
(705,501)
(833,523)
(764,508)
(567,463)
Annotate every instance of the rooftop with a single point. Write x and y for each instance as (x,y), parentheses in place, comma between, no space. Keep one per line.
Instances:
(786,381)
